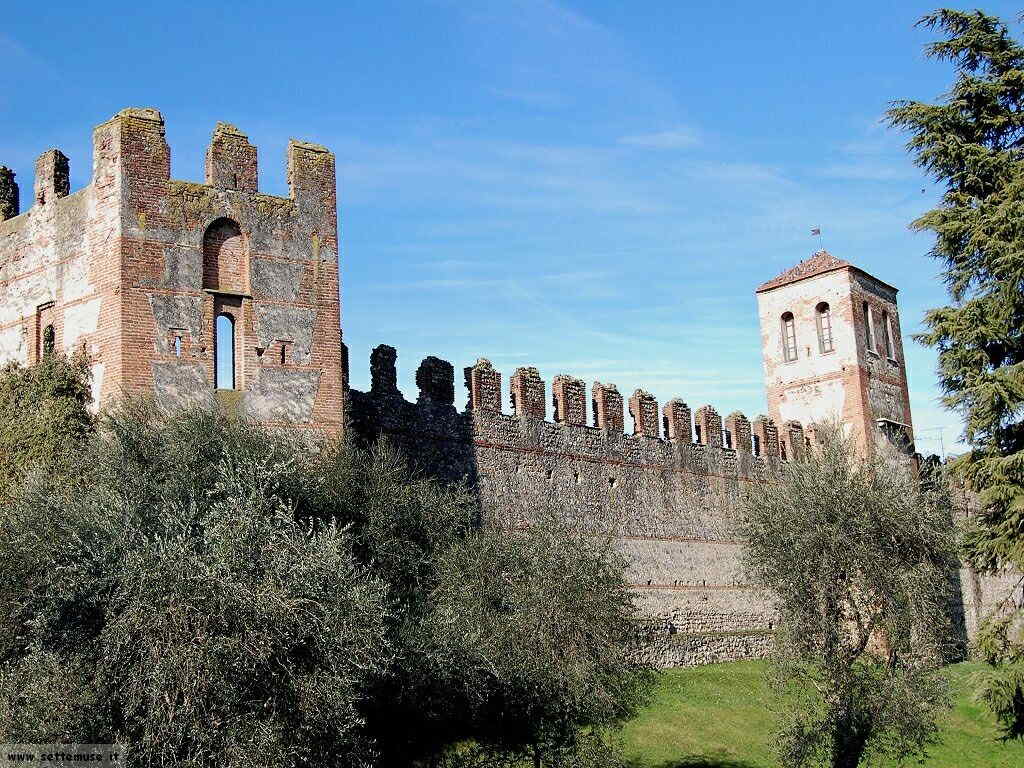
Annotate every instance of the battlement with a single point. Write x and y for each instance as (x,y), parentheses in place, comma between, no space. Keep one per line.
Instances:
(131,147)
(435,379)
(157,279)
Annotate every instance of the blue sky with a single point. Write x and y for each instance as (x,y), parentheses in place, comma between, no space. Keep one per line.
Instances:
(594,188)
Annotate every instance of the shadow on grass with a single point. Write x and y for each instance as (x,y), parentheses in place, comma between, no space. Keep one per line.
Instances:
(698,761)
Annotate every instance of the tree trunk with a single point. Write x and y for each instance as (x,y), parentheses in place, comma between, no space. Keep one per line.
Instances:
(848,747)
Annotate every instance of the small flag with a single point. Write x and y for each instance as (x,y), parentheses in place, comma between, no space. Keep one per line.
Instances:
(816,232)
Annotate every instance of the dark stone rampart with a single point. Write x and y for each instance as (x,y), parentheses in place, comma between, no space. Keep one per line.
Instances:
(668,504)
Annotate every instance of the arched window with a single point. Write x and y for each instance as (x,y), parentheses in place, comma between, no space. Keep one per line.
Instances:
(49,340)
(788,337)
(887,334)
(823,316)
(225,266)
(224,352)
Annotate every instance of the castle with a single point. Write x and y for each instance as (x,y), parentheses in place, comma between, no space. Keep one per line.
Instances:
(155,279)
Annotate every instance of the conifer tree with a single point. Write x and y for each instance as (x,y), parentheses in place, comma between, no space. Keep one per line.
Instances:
(972,141)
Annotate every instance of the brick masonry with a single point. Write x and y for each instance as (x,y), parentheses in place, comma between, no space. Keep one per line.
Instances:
(845,361)
(134,269)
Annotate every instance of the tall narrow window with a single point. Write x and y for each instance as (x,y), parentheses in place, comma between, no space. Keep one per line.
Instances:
(887,335)
(823,315)
(757,445)
(788,337)
(224,352)
(869,327)
(49,340)
(177,346)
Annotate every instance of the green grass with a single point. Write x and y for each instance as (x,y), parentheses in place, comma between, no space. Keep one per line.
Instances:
(719,717)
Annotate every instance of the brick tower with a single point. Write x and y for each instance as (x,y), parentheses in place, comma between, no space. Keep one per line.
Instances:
(832,349)
(156,279)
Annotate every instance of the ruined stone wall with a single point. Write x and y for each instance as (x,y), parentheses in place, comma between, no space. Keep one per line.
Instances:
(669,503)
(59,270)
(135,269)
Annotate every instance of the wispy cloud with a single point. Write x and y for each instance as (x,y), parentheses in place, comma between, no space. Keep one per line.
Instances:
(531,97)
(677,138)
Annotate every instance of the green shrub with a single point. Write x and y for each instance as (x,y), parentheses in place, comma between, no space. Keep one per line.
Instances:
(44,415)
(205,590)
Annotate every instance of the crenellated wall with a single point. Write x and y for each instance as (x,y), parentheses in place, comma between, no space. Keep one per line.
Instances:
(135,269)
(668,502)
(666,494)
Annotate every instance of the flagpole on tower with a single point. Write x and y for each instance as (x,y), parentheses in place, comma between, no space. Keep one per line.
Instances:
(816,232)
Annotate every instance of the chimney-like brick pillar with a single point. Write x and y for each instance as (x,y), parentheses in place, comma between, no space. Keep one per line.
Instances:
(527,391)
(569,398)
(793,435)
(311,175)
(767,437)
(436,379)
(677,421)
(709,426)
(383,371)
(484,385)
(644,410)
(739,427)
(53,176)
(9,202)
(231,160)
(608,413)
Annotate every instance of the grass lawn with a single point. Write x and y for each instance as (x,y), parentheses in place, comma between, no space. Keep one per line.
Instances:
(718,717)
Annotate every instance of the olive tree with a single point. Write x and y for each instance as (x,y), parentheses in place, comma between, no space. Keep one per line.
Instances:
(164,594)
(858,557)
(207,590)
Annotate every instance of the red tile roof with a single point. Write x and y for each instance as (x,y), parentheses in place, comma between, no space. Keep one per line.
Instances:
(819,263)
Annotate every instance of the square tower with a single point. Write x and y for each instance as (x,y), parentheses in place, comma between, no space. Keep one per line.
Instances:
(186,291)
(832,350)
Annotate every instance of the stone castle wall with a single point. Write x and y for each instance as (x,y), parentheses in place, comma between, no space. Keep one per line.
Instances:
(669,504)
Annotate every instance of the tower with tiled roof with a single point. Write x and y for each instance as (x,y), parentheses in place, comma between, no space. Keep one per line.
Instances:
(832,350)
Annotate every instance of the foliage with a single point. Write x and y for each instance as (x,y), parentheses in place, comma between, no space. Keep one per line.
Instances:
(44,414)
(858,559)
(170,599)
(973,143)
(208,590)
(580,665)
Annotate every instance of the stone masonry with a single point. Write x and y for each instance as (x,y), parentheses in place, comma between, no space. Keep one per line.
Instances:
(668,503)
